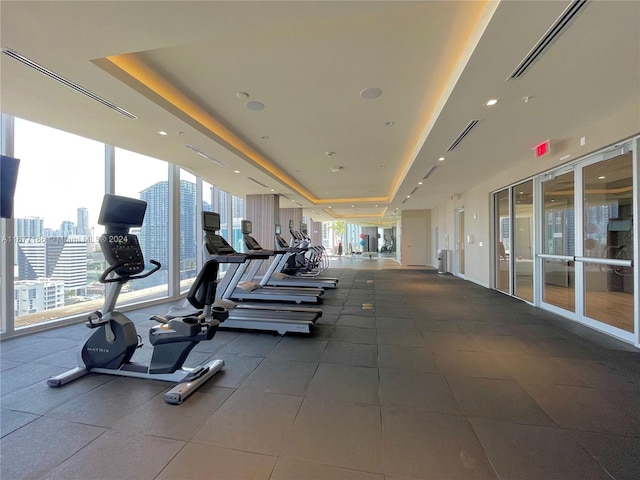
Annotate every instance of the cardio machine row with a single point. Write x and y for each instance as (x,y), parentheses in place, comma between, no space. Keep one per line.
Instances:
(273,302)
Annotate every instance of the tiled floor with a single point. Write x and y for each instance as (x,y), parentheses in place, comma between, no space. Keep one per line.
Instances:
(442,379)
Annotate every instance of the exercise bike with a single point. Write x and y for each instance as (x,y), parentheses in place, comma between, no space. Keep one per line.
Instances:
(113,340)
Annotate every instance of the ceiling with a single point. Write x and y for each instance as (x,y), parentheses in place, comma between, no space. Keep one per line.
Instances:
(192,69)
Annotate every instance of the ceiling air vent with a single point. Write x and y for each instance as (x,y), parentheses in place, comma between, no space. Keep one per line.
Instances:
(256,181)
(64,81)
(430,172)
(205,155)
(557,29)
(413,191)
(405,200)
(283,195)
(464,133)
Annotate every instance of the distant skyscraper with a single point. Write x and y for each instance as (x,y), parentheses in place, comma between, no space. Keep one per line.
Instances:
(67,228)
(154,230)
(29,227)
(83,227)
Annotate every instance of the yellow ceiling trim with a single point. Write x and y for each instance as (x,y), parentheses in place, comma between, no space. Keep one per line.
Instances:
(146,76)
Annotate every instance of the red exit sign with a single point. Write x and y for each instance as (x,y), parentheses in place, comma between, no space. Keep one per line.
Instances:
(542,149)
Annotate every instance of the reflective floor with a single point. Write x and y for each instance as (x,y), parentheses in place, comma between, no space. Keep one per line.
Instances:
(441,379)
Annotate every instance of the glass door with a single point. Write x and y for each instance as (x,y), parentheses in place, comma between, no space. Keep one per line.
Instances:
(558,241)
(523,240)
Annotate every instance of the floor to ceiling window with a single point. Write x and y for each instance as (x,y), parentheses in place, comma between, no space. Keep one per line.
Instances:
(57,259)
(188,230)
(502,247)
(146,178)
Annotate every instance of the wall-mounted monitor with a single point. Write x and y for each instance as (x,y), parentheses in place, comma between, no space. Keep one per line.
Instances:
(120,211)
(210,221)
(290,224)
(278,229)
(8,181)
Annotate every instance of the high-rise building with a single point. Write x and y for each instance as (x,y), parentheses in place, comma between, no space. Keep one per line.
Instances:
(83,227)
(57,258)
(153,233)
(67,228)
(29,227)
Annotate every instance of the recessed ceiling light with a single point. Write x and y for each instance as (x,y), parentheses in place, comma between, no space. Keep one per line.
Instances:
(236,171)
(419,183)
(441,159)
(408,196)
(601,177)
(389,124)
(329,206)
(273,190)
(163,133)
(254,105)
(491,102)
(371,92)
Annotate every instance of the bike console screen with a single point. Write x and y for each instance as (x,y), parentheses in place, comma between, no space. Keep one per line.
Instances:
(123,249)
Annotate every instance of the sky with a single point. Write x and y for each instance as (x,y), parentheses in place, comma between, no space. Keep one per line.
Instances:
(60,172)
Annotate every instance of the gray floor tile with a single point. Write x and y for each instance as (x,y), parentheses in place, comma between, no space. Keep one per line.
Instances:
(354,335)
(39,398)
(289,469)
(620,456)
(342,383)
(287,377)
(396,323)
(103,406)
(450,342)
(431,445)
(413,359)
(9,364)
(118,456)
(43,436)
(354,354)
(345,435)
(392,336)
(250,344)
(524,452)
(356,321)
(587,409)
(251,421)
(470,364)
(300,349)
(236,370)
(25,375)
(158,418)
(422,391)
(602,374)
(498,399)
(200,462)
(11,420)
(542,369)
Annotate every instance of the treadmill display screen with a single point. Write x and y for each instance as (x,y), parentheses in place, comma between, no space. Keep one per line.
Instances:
(211,221)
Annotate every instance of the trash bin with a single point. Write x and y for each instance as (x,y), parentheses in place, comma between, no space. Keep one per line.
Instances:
(442,261)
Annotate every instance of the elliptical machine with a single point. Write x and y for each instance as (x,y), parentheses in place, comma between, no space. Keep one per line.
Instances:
(114,340)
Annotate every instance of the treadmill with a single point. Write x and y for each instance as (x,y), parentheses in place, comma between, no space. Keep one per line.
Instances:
(250,316)
(272,276)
